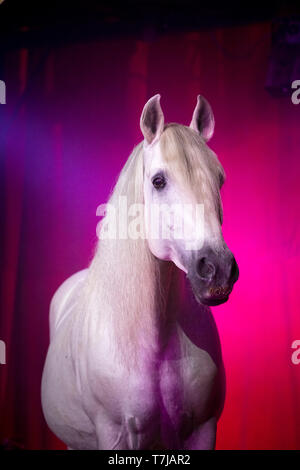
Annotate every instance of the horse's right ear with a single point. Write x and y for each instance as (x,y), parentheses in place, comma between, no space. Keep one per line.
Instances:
(203,119)
(152,120)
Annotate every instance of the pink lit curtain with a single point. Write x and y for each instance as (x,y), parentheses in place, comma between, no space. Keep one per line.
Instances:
(70,122)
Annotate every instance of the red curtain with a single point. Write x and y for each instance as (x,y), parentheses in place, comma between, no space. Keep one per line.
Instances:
(71,120)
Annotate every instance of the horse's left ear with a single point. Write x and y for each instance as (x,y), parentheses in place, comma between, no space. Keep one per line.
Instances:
(203,120)
(152,120)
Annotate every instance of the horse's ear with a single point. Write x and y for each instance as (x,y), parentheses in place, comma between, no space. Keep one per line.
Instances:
(203,119)
(152,120)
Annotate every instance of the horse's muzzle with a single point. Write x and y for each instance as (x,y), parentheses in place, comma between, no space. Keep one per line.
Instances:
(212,275)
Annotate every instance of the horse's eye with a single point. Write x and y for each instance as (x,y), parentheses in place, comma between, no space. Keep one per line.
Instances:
(159,182)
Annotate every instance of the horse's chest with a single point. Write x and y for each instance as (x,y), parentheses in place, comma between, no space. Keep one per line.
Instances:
(164,406)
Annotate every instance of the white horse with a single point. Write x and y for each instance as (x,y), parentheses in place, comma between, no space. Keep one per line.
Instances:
(134,360)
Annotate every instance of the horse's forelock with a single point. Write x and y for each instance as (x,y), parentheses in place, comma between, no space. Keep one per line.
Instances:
(191,162)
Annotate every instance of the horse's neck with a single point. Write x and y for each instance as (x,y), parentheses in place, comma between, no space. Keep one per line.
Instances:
(140,319)
(163,321)
(173,283)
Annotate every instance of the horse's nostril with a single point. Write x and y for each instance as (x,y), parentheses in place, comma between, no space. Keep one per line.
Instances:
(234,273)
(205,269)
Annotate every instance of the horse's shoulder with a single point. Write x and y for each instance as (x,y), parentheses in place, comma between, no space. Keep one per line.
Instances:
(63,298)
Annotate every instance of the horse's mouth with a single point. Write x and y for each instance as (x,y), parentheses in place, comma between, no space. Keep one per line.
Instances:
(211,292)
(213,297)
(211,301)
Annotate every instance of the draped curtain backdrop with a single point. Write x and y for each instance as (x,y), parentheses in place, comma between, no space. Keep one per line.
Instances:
(70,122)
